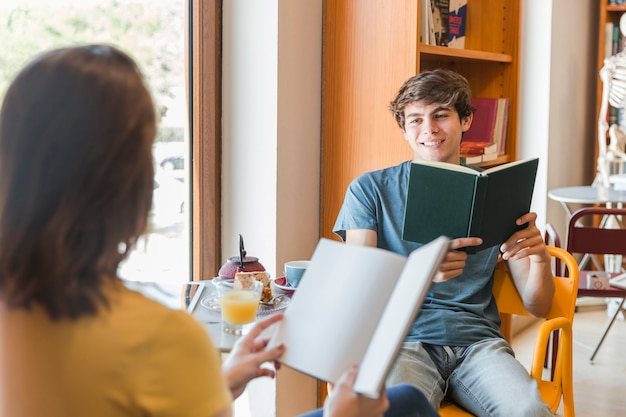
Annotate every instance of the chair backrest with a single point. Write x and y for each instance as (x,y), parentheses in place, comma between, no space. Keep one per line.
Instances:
(587,232)
(559,318)
(566,289)
(551,238)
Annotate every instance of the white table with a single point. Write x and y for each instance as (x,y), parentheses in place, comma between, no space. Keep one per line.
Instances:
(587,194)
(211,319)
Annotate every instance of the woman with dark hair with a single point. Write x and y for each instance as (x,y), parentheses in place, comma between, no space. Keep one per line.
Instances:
(76,179)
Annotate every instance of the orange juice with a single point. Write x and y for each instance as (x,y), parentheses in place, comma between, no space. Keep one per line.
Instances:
(239,307)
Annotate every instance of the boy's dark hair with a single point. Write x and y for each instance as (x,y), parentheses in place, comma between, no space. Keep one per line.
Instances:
(441,86)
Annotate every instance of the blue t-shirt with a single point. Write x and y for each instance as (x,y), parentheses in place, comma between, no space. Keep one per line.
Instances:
(457,312)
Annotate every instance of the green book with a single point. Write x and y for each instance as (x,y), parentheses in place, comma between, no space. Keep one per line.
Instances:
(457,201)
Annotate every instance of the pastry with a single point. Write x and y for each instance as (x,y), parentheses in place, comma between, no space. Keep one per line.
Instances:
(263,276)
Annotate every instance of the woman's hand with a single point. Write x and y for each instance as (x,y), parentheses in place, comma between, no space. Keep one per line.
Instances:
(248,354)
(344,402)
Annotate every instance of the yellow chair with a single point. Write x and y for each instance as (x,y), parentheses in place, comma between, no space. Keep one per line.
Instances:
(560,317)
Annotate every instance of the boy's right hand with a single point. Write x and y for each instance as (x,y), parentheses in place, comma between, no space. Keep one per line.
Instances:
(452,266)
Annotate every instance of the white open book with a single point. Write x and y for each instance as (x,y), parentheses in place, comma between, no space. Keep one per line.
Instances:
(355,305)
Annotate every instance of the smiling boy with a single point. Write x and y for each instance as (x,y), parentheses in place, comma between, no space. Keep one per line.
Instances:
(454,349)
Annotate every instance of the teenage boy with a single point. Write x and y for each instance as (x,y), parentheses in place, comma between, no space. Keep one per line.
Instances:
(454,349)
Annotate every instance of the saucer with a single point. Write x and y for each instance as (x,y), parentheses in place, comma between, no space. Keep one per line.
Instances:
(282,284)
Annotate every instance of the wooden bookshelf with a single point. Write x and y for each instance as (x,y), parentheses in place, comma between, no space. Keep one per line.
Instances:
(369,49)
(608,14)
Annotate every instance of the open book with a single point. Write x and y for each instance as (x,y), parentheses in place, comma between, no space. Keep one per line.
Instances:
(355,305)
(457,201)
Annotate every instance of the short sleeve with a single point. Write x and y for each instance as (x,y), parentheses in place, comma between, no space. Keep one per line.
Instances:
(359,208)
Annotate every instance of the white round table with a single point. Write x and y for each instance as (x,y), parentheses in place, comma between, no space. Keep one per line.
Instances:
(587,194)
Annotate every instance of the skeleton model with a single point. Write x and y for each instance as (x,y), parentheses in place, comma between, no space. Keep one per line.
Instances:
(613,76)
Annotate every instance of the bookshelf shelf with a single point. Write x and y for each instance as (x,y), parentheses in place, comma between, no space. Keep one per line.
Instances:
(443,53)
(616,8)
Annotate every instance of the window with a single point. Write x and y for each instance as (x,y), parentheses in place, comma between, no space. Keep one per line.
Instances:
(153,33)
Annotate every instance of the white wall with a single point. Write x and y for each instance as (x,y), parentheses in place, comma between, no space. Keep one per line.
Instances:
(271,144)
(558,103)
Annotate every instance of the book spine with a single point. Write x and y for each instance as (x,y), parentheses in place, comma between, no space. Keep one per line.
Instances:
(457,18)
(476,219)
(501,140)
(441,10)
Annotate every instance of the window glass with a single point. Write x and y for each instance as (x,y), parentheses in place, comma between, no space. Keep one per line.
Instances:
(152,32)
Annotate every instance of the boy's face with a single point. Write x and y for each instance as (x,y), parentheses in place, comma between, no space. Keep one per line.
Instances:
(434,131)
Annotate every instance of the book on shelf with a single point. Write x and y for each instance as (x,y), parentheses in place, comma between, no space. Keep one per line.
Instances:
(490,122)
(489,157)
(478,148)
(363,301)
(477,159)
(457,18)
(458,201)
(484,122)
(476,152)
(440,11)
(427,25)
(471,159)
(502,119)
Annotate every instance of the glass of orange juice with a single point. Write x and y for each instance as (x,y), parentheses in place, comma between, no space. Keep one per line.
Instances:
(239,301)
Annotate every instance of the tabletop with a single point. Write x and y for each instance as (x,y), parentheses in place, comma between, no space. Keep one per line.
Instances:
(588,194)
(211,319)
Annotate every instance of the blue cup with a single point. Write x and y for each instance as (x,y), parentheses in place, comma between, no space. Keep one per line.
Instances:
(294,271)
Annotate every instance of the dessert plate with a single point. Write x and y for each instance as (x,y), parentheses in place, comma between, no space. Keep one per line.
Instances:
(277,304)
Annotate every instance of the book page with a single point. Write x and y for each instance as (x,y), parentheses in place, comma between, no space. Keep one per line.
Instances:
(447,165)
(404,304)
(505,166)
(336,308)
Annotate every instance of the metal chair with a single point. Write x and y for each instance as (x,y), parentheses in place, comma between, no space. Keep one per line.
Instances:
(588,235)
(560,318)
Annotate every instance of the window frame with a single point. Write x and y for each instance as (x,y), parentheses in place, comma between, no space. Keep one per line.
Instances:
(204,84)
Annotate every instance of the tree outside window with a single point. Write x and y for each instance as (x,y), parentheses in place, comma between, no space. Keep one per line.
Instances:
(153,33)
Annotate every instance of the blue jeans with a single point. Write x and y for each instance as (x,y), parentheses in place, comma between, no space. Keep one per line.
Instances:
(404,401)
(484,378)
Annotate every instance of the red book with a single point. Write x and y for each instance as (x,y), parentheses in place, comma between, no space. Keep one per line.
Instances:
(478,148)
(484,123)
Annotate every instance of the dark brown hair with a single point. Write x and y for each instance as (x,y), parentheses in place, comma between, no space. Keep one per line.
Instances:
(439,86)
(76,177)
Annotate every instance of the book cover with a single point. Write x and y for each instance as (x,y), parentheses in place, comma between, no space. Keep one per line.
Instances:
(363,301)
(440,10)
(502,119)
(478,148)
(457,18)
(489,157)
(457,201)
(471,159)
(425,22)
(484,122)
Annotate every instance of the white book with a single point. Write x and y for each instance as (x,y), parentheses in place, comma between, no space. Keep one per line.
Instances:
(355,305)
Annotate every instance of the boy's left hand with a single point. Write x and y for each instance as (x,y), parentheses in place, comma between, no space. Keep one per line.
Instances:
(527,242)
